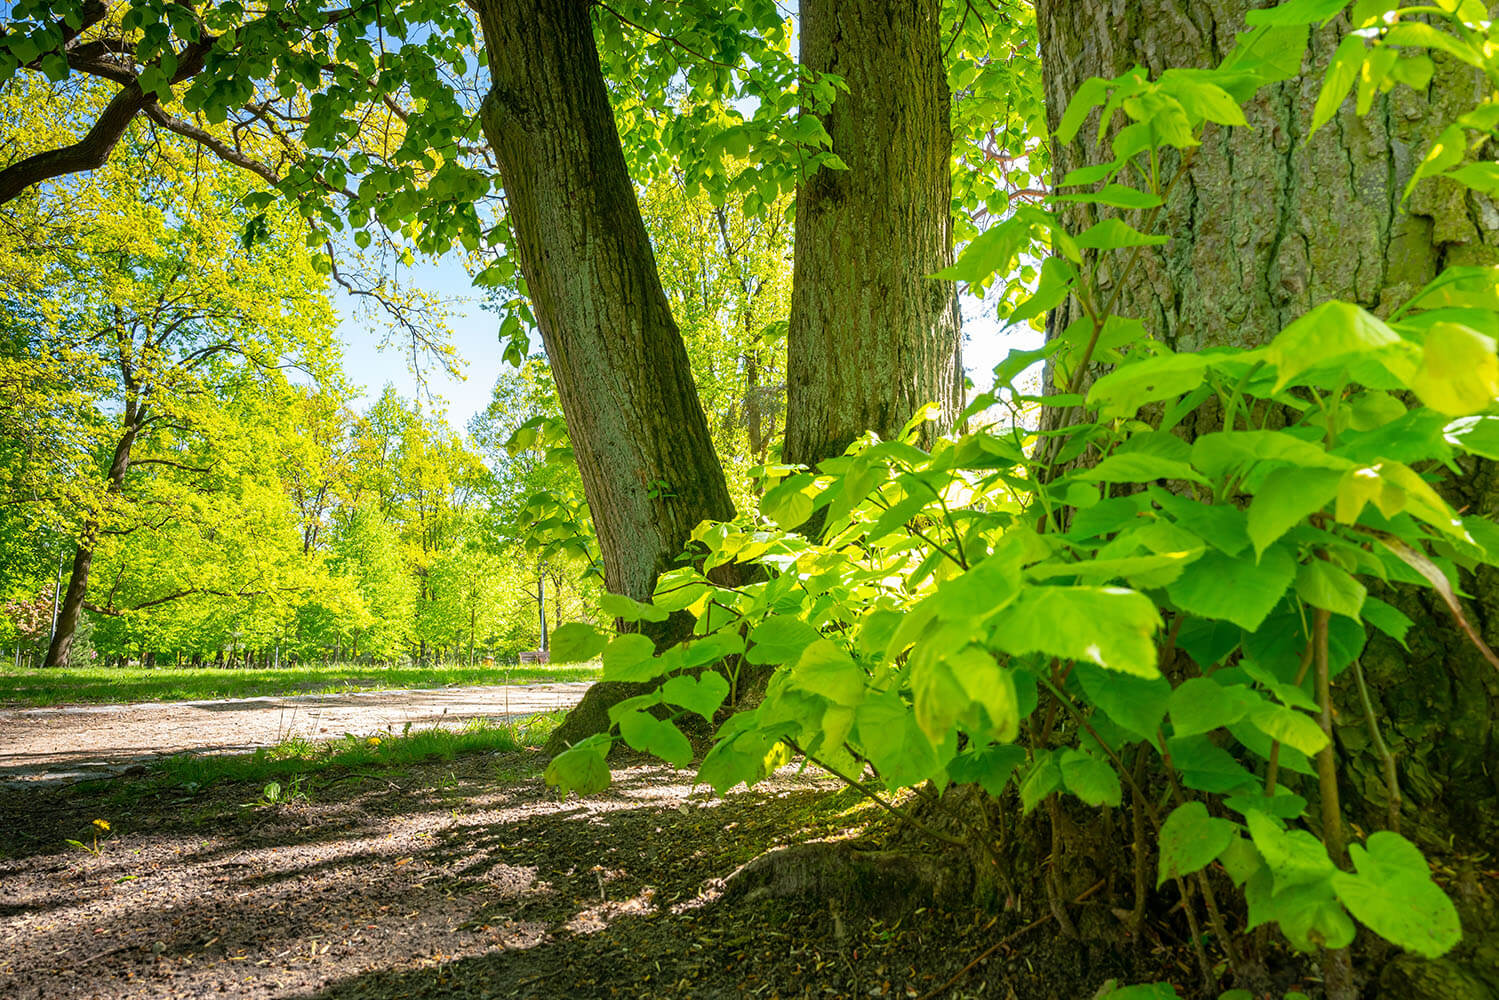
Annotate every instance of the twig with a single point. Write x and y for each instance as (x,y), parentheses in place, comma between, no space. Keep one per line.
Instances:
(1002,942)
(1391,779)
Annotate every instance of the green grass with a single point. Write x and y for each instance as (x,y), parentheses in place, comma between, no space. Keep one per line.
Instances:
(296,758)
(134,684)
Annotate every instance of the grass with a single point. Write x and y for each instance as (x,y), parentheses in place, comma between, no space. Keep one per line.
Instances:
(39,687)
(296,758)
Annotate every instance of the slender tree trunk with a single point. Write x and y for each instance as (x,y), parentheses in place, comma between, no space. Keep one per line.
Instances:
(871,337)
(72,603)
(648,466)
(1264,225)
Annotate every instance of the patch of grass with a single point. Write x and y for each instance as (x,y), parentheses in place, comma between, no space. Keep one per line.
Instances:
(382,751)
(40,687)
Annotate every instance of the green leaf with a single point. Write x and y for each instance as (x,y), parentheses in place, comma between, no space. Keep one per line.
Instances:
(1285,499)
(1190,840)
(825,669)
(989,685)
(1237,590)
(651,735)
(1115,234)
(1115,196)
(1222,526)
(1295,857)
(787,503)
(1289,727)
(1044,777)
(1342,74)
(1200,705)
(1109,626)
(1476,435)
(1090,779)
(576,642)
(1206,767)
(1387,618)
(1135,704)
(887,731)
(631,657)
(988,767)
(702,694)
(1333,331)
(581,768)
(1459,372)
(1393,895)
(1127,388)
(1132,467)
(1322,585)
(779,640)
(1296,12)
(1087,97)
(630,610)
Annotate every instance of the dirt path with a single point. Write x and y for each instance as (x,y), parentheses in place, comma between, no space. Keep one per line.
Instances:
(84,741)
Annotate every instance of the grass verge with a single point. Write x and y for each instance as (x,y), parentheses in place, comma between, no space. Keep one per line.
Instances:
(297,757)
(40,688)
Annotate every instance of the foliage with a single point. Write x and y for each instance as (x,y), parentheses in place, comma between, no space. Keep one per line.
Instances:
(1045,613)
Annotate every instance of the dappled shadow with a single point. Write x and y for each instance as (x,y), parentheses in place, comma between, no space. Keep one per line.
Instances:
(382,880)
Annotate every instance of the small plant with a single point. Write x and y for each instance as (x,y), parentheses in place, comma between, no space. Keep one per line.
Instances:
(274,793)
(96,847)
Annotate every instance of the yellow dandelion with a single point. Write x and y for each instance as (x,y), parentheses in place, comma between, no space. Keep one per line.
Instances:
(102,824)
(373,741)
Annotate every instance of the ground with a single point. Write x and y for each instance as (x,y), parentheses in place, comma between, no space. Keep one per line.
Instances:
(21,686)
(293,872)
(450,879)
(90,740)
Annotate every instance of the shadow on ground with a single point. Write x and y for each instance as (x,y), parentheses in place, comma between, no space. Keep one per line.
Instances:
(459,879)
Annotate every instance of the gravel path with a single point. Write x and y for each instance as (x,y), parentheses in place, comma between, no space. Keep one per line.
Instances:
(86,741)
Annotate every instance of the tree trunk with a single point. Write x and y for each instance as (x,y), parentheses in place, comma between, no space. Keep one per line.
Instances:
(872,338)
(648,466)
(623,378)
(541,609)
(1264,225)
(72,603)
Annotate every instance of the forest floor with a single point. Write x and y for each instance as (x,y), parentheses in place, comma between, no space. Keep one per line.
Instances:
(63,744)
(462,878)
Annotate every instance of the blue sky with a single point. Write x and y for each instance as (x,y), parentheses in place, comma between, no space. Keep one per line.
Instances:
(474,335)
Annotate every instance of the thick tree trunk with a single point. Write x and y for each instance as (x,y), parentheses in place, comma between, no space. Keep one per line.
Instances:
(642,442)
(1264,225)
(871,337)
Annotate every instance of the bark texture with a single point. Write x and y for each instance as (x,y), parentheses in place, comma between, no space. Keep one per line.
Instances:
(642,443)
(871,338)
(1264,225)
(648,466)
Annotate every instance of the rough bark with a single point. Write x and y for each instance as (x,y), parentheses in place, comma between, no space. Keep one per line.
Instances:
(872,338)
(648,466)
(1264,225)
(642,443)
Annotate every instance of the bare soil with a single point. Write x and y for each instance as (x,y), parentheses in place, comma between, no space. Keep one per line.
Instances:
(73,742)
(464,879)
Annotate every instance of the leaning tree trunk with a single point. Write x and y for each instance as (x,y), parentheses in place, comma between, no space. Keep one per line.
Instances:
(871,337)
(71,609)
(1264,225)
(643,448)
